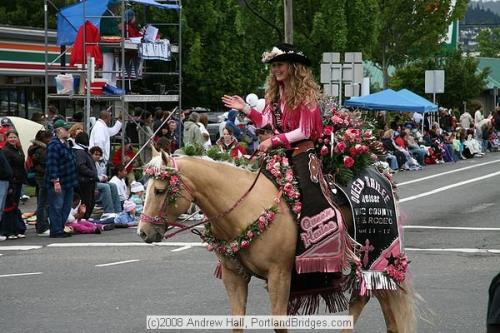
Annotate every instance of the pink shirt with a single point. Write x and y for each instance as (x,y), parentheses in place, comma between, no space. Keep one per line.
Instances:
(303,122)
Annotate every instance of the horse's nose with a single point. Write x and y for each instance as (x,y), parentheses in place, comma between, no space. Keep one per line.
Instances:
(145,237)
(158,237)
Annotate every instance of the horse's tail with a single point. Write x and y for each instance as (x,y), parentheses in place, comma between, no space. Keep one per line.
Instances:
(403,307)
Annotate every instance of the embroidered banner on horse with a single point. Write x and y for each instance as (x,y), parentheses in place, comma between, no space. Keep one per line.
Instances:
(376,230)
(322,236)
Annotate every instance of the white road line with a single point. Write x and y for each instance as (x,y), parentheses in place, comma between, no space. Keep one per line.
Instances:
(450,228)
(176,244)
(444,188)
(20,274)
(20,248)
(117,263)
(446,173)
(459,250)
(181,248)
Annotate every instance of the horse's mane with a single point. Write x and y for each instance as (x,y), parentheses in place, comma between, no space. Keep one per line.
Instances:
(157,162)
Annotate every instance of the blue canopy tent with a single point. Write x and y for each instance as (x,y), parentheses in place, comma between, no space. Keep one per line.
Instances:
(428,105)
(71,18)
(390,100)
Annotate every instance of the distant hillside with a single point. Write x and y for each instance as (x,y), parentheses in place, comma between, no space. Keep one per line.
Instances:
(478,15)
(483,13)
(494,6)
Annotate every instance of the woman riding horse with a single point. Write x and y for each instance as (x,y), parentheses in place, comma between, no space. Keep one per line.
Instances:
(292,109)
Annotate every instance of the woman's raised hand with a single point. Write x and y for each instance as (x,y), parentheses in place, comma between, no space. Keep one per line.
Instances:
(233,102)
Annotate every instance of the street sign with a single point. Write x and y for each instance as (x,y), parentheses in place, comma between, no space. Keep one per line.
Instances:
(330,72)
(331,90)
(434,81)
(331,57)
(337,77)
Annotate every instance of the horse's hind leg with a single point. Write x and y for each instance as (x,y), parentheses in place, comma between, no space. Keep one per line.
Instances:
(389,315)
(398,309)
(356,305)
(237,290)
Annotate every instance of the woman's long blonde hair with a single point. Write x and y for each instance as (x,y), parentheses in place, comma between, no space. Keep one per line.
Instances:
(300,88)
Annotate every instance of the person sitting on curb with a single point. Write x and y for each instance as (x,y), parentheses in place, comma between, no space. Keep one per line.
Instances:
(127,217)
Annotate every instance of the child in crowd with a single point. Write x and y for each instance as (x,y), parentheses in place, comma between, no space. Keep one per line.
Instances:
(119,180)
(137,190)
(127,217)
(76,222)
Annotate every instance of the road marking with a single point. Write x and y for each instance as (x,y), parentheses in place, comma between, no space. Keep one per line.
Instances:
(176,244)
(181,248)
(20,248)
(450,228)
(446,173)
(444,188)
(464,250)
(20,274)
(117,263)
(481,207)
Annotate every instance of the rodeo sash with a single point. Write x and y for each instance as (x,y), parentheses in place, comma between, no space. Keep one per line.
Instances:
(375,229)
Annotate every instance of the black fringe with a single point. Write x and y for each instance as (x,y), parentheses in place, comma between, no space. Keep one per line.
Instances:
(308,303)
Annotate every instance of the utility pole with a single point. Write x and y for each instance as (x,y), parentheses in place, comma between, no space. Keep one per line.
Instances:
(288,8)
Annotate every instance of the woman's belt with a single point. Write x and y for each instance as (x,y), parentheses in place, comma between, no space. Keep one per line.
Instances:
(302,146)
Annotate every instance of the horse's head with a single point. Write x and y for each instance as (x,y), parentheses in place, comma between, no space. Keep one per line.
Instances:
(166,197)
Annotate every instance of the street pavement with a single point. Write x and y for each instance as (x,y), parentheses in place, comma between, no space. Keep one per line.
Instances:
(111,282)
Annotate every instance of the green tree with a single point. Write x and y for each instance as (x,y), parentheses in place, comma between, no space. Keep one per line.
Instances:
(489,42)
(29,13)
(463,79)
(412,29)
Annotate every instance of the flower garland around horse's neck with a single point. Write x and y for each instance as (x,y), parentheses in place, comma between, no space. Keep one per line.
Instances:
(243,241)
(169,175)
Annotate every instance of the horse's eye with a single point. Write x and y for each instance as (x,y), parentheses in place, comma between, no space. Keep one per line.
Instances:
(159,191)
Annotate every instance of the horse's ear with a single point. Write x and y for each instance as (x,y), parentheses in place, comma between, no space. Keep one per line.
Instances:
(154,151)
(164,157)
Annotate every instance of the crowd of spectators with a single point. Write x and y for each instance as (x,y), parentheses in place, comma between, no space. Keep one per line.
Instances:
(78,190)
(412,141)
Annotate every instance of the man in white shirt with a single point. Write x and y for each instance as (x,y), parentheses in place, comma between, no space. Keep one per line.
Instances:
(119,180)
(478,116)
(465,120)
(101,133)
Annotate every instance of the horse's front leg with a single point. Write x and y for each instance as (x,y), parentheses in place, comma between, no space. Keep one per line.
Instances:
(278,284)
(237,290)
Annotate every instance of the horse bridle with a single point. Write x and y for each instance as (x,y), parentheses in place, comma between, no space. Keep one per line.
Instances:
(162,218)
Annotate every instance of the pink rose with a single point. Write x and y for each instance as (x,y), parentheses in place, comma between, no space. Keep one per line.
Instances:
(250,234)
(337,120)
(328,130)
(362,148)
(324,151)
(262,219)
(288,187)
(245,244)
(340,147)
(261,225)
(353,151)
(270,216)
(348,161)
(234,247)
(297,207)
(210,247)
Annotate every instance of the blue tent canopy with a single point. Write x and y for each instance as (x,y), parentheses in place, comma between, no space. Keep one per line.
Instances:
(71,18)
(391,100)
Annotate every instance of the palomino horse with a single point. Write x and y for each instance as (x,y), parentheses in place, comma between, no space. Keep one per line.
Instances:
(217,188)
